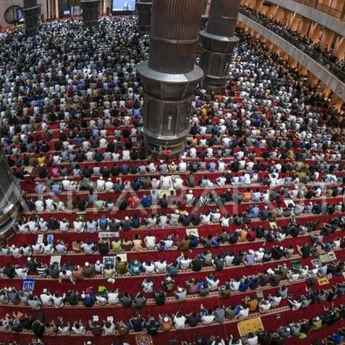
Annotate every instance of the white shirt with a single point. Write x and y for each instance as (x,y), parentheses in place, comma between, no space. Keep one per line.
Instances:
(207,319)
(100,185)
(23,228)
(165,182)
(234,285)
(178,183)
(64,330)
(64,226)
(87,248)
(103,143)
(253,341)
(39,204)
(275,301)
(185,263)
(110,330)
(149,268)
(61,248)
(189,198)
(79,331)
(113,298)
(37,248)
(116,157)
(66,184)
(150,242)
(58,301)
(264,307)
(243,314)
(182,167)
(66,276)
(215,217)
(78,226)
(109,186)
(205,219)
(43,226)
(213,284)
(180,322)
(46,299)
(221,181)
(192,152)
(160,266)
(225,221)
(16,252)
(221,166)
(22,273)
(151,167)
(50,204)
(99,268)
(49,249)
(125,155)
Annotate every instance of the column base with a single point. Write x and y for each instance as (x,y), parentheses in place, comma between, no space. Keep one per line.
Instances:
(164,147)
(167,108)
(214,84)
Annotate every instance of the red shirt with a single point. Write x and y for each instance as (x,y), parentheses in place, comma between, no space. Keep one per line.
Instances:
(251,235)
(133,202)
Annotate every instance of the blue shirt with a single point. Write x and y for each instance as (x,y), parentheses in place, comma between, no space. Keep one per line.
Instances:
(135,269)
(244,286)
(249,259)
(79,142)
(103,223)
(212,167)
(194,242)
(255,211)
(125,169)
(145,201)
(56,189)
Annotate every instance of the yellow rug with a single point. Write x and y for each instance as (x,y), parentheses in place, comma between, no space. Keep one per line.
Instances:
(250,326)
(144,340)
(323,281)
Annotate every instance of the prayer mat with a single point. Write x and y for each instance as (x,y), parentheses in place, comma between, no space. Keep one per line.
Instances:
(250,326)
(143,340)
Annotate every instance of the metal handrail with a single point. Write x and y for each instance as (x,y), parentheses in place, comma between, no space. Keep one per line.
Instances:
(305,48)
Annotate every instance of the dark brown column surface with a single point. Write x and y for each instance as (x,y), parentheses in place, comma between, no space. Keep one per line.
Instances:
(170,76)
(144,8)
(218,41)
(32,13)
(90,12)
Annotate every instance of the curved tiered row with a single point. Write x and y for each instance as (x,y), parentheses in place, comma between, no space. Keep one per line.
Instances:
(205,199)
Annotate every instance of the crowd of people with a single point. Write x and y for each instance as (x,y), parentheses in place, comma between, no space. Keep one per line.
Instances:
(314,47)
(98,327)
(71,109)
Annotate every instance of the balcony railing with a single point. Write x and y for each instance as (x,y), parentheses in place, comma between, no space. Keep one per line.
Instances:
(333,12)
(305,48)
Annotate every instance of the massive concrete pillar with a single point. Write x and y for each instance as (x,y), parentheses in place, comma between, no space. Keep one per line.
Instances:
(90,12)
(10,196)
(170,76)
(144,8)
(32,13)
(218,41)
